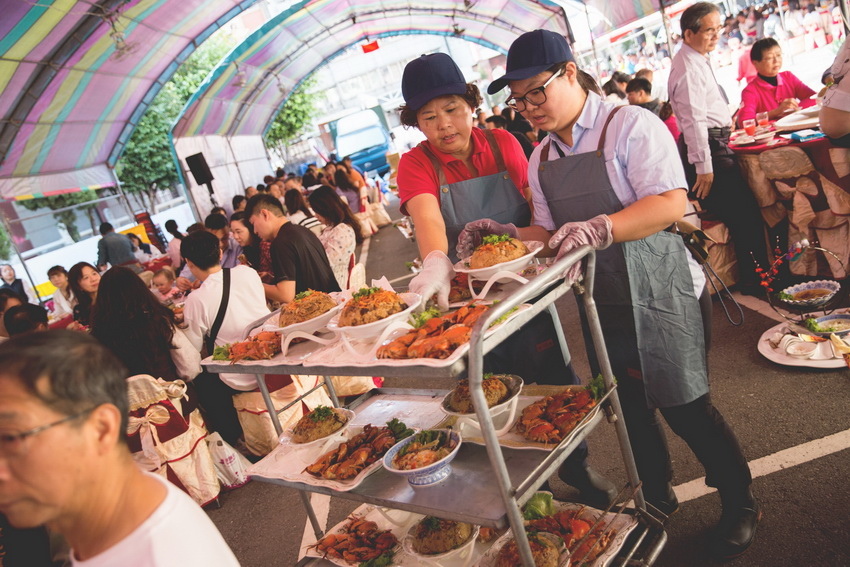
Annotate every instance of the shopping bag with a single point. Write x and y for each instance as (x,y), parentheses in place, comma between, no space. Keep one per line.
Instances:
(379,214)
(230,465)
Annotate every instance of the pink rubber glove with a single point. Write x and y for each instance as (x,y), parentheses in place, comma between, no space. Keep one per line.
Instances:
(596,232)
(435,278)
(472,234)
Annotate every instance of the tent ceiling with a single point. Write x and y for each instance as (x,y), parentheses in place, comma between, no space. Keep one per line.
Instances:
(243,94)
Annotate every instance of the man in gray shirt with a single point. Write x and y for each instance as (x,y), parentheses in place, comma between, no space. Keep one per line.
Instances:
(115,249)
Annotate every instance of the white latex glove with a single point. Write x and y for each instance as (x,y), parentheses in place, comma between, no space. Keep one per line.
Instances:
(472,234)
(595,232)
(435,278)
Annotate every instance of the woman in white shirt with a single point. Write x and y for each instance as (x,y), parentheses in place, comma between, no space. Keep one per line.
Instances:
(299,213)
(63,297)
(342,233)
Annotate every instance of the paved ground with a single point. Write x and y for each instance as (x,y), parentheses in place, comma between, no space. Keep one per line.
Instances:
(772,409)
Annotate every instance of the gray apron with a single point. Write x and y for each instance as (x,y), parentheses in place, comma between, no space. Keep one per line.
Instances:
(644,291)
(488,197)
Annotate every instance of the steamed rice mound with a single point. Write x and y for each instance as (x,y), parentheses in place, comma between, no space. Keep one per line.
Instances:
(369,307)
(490,254)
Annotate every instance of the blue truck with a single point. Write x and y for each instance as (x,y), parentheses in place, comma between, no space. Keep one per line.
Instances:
(365,137)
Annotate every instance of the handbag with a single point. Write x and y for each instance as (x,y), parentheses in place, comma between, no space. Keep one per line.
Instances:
(379,214)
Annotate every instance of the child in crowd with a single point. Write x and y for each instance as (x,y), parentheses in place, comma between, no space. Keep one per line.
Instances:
(164,287)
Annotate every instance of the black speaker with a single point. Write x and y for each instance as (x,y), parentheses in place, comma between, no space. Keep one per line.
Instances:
(199,168)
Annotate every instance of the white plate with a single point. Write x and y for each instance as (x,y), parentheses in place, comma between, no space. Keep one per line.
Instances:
(512,382)
(372,330)
(797,121)
(813,110)
(780,357)
(492,555)
(385,519)
(286,436)
(308,326)
(513,266)
(744,140)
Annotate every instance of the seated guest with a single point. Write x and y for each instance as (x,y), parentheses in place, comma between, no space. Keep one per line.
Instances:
(173,249)
(638,91)
(299,261)
(164,287)
(342,234)
(256,253)
(311,176)
(140,331)
(499,123)
(238,202)
(63,297)
(777,93)
(299,213)
(25,318)
(77,476)
(613,93)
(11,281)
(217,224)
(218,211)
(245,304)
(143,251)
(84,280)
(8,299)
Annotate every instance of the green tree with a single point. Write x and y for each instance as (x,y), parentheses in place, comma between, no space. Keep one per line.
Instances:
(146,165)
(67,201)
(295,117)
(5,245)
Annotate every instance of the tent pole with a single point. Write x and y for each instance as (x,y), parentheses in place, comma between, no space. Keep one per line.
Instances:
(236,163)
(8,228)
(665,21)
(592,40)
(121,193)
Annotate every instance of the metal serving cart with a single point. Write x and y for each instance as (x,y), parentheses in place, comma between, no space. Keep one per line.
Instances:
(515,475)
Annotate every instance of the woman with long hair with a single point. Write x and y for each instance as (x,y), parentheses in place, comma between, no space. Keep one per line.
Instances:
(347,190)
(256,253)
(173,249)
(84,280)
(342,233)
(139,330)
(299,213)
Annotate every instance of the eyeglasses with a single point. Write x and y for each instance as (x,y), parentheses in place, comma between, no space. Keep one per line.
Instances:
(712,32)
(14,444)
(534,96)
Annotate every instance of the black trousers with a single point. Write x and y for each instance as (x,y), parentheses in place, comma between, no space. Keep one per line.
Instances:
(732,201)
(698,423)
(216,401)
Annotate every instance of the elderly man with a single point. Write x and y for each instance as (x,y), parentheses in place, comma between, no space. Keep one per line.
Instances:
(711,168)
(64,461)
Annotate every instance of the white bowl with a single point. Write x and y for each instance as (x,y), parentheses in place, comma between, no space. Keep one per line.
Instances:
(830,285)
(371,330)
(801,349)
(825,322)
(513,266)
(310,325)
(765,137)
(438,558)
(506,407)
(425,476)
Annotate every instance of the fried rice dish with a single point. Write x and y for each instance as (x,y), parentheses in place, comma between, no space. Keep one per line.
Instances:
(435,535)
(544,551)
(306,305)
(369,305)
(497,250)
(320,422)
(495,392)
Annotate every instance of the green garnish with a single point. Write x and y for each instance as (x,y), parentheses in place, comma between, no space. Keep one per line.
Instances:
(383,560)
(303,294)
(496,238)
(538,506)
(813,326)
(419,319)
(399,429)
(365,291)
(431,523)
(503,317)
(221,352)
(785,296)
(596,387)
(424,438)
(321,413)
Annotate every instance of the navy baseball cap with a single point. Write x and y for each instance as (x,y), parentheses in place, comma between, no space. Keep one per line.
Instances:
(532,53)
(428,77)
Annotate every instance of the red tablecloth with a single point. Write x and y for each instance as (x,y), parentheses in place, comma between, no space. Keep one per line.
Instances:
(62,323)
(157,263)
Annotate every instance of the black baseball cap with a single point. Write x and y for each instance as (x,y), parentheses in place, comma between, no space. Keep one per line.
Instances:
(428,77)
(532,53)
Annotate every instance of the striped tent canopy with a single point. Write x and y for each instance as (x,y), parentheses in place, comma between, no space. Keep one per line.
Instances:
(77,76)
(242,96)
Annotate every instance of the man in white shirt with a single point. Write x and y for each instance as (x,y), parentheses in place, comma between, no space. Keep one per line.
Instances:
(64,461)
(246,304)
(702,110)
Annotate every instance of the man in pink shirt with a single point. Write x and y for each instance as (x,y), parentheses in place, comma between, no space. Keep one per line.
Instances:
(777,93)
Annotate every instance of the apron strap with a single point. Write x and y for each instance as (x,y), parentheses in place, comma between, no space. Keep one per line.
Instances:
(599,149)
(497,153)
(441,176)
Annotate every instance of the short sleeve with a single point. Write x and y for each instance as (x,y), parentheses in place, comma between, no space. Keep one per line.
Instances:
(284,261)
(416,176)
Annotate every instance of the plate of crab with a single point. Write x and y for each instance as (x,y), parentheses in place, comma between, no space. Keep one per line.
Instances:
(543,421)
(347,463)
(367,535)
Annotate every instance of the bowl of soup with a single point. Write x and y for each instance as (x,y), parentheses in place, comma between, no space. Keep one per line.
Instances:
(809,294)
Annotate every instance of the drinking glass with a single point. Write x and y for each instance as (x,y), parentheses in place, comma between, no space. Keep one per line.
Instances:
(762,119)
(750,127)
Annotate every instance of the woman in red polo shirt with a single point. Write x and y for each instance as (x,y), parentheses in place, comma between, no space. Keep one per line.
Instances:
(461,174)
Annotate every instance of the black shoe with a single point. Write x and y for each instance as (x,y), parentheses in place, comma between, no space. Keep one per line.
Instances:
(666,503)
(736,530)
(595,489)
